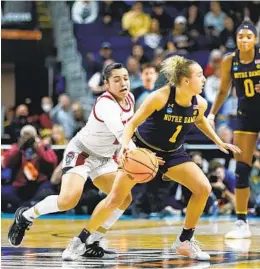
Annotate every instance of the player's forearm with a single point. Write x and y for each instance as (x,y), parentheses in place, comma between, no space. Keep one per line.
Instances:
(128,133)
(220,98)
(206,128)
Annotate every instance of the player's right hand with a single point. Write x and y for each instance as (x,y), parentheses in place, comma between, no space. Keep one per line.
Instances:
(122,152)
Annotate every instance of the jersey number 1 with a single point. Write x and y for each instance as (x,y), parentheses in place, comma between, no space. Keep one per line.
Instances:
(175,134)
(249,87)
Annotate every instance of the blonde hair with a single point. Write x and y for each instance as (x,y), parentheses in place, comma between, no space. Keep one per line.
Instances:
(176,67)
(59,129)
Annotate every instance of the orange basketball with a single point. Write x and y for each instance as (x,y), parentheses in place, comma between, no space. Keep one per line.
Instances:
(140,164)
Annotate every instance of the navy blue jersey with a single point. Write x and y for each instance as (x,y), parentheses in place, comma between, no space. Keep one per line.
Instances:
(165,130)
(244,78)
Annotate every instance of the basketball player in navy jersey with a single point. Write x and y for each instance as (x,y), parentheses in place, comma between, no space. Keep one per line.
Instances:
(242,69)
(160,125)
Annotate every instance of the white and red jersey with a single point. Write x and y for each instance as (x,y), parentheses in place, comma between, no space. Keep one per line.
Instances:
(103,132)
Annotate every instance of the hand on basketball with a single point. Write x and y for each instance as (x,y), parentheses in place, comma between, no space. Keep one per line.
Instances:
(257,88)
(225,147)
(122,153)
(160,160)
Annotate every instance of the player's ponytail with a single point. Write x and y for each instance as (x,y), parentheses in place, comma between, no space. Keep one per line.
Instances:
(176,67)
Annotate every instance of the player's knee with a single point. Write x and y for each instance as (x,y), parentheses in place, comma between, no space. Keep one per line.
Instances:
(67,202)
(203,190)
(242,175)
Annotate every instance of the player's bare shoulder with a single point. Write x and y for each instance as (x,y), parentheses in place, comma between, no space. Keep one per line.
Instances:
(202,103)
(227,61)
(161,96)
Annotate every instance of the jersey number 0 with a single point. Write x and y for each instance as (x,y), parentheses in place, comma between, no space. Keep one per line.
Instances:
(249,88)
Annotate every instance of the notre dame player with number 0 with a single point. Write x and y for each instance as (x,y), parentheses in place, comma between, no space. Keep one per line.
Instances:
(242,69)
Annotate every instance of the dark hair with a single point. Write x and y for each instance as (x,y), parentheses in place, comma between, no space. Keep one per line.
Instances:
(247,24)
(148,65)
(108,70)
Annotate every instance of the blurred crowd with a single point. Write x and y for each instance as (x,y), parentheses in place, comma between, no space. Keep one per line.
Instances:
(31,169)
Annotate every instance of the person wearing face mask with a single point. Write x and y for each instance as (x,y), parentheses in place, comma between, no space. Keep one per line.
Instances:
(21,119)
(45,121)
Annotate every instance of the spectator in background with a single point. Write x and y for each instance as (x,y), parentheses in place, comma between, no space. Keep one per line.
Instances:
(214,59)
(105,53)
(229,109)
(153,38)
(32,163)
(225,133)
(179,40)
(255,183)
(8,117)
(135,21)
(45,120)
(95,83)
(58,136)
(84,11)
(223,186)
(164,19)
(227,36)
(212,84)
(215,17)
(21,119)
(133,67)
(196,157)
(194,20)
(149,75)
(61,114)
(111,11)
(79,117)
(138,54)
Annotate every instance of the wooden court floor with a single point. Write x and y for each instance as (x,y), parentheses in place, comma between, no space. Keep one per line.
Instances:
(139,244)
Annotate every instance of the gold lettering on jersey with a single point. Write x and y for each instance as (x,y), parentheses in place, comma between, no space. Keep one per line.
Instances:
(240,75)
(179,119)
(255,73)
(189,119)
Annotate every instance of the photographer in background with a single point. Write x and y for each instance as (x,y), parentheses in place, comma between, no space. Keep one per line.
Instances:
(223,185)
(32,162)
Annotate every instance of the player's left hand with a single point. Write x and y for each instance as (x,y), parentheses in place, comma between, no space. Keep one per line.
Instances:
(257,88)
(225,147)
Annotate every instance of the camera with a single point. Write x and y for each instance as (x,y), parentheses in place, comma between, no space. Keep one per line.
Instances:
(212,178)
(28,143)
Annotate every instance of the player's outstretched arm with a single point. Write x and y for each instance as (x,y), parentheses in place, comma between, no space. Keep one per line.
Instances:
(225,85)
(203,124)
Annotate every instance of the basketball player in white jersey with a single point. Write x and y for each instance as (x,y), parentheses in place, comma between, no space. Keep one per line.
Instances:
(89,154)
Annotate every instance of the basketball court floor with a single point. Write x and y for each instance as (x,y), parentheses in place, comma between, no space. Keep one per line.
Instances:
(139,244)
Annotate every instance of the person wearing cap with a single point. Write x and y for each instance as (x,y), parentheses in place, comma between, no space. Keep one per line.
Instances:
(105,52)
(32,163)
(179,39)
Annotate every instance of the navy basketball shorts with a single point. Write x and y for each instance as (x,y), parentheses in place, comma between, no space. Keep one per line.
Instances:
(171,158)
(248,123)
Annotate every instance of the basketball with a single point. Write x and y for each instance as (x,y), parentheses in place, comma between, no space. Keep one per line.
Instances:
(140,165)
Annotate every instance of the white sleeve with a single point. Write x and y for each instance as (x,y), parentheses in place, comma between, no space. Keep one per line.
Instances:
(109,112)
(94,80)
